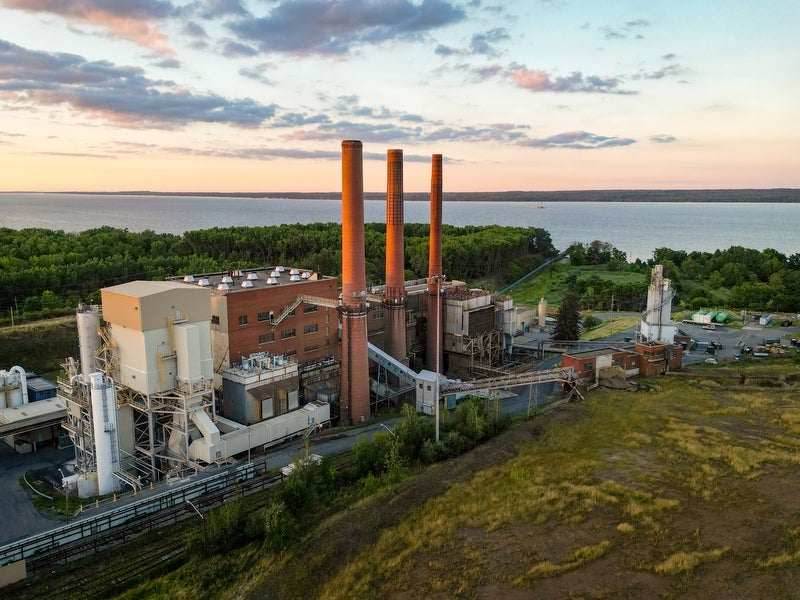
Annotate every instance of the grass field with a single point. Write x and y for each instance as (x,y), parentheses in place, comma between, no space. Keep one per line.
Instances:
(686,488)
(551,285)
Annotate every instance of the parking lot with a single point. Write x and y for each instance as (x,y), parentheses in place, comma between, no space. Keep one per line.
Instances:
(751,335)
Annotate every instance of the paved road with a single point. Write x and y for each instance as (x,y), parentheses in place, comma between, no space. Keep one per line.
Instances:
(18,517)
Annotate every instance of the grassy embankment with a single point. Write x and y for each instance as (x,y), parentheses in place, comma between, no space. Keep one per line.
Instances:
(39,346)
(552,285)
(685,489)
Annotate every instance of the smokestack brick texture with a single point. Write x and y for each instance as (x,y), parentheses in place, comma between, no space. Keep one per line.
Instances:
(355,367)
(395,254)
(395,294)
(435,265)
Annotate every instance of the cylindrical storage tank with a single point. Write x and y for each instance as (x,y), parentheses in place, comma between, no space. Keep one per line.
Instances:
(542,312)
(104,422)
(722,317)
(88,318)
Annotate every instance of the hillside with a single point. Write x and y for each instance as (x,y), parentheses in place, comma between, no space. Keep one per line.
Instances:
(684,489)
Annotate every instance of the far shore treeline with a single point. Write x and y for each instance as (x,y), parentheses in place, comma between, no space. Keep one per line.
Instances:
(775,195)
(43,271)
(47,272)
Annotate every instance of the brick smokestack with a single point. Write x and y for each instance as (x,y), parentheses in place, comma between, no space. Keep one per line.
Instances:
(395,295)
(435,265)
(355,368)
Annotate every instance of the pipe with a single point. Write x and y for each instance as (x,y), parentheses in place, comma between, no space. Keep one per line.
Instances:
(23,383)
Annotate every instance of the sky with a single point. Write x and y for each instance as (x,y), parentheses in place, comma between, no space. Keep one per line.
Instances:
(256,96)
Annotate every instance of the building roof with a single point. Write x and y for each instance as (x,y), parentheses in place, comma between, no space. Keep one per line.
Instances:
(142,289)
(595,352)
(242,280)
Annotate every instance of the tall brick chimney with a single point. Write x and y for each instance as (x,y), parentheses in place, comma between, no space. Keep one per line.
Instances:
(395,295)
(435,266)
(355,368)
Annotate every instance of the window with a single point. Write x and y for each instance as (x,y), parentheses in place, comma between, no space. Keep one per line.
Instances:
(288,333)
(311,348)
(309,308)
(242,319)
(266,338)
(313,328)
(587,366)
(265,316)
(215,319)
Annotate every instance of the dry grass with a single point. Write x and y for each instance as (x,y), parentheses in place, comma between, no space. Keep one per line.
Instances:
(686,562)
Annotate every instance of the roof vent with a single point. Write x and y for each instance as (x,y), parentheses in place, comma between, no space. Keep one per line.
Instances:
(272,281)
(238,272)
(294,278)
(188,279)
(305,274)
(252,276)
(280,269)
(203,282)
(227,279)
(275,273)
(247,283)
(224,287)
(294,272)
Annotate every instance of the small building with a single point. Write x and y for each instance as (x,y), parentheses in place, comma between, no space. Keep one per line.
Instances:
(590,363)
(645,358)
(40,388)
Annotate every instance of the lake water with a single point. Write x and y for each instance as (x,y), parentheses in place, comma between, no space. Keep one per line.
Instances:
(636,228)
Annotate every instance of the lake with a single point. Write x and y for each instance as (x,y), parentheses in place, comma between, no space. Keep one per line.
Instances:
(636,228)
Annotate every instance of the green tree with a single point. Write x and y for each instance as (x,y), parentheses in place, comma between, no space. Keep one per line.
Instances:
(568,319)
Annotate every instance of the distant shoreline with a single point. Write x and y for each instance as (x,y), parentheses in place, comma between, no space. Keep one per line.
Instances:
(774,195)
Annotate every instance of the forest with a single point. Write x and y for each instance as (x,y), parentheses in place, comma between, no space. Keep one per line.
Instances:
(736,278)
(45,272)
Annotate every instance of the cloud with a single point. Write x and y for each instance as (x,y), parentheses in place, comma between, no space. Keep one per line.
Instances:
(257,73)
(577,140)
(8,134)
(349,106)
(120,94)
(134,20)
(395,133)
(480,44)
(233,48)
(268,153)
(663,138)
(76,155)
(537,80)
(213,9)
(333,27)
(667,71)
(628,28)
(168,63)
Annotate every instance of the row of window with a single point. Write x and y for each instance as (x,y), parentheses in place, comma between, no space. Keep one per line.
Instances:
(266,338)
(268,314)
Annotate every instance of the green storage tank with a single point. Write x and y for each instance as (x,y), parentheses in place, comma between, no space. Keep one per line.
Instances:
(722,317)
(712,314)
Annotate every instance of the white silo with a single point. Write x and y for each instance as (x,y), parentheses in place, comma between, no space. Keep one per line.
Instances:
(542,313)
(106,442)
(88,318)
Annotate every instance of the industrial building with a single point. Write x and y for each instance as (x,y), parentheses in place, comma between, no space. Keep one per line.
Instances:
(141,400)
(641,358)
(191,371)
(30,413)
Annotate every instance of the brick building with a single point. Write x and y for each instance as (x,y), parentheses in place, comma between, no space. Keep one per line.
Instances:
(263,310)
(647,359)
